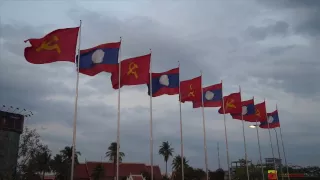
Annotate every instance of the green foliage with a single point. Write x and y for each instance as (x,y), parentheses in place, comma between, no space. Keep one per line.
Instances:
(166,151)
(112,155)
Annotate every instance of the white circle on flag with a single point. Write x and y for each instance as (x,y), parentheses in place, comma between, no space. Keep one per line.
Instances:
(164,80)
(244,110)
(209,95)
(270,119)
(97,56)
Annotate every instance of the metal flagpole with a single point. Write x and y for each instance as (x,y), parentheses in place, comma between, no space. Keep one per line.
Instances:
(284,152)
(280,166)
(258,137)
(219,156)
(225,134)
(274,162)
(151,125)
(118,121)
(181,136)
(244,142)
(204,132)
(76,106)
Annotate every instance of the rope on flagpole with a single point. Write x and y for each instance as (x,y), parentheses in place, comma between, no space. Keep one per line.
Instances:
(181,132)
(274,161)
(118,121)
(258,137)
(76,106)
(151,124)
(284,152)
(278,153)
(204,132)
(225,134)
(244,142)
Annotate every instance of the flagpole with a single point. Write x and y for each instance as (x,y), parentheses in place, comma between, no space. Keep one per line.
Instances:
(76,106)
(244,142)
(258,137)
(181,133)
(151,125)
(225,134)
(219,156)
(284,152)
(274,162)
(118,121)
(280,166)
(204,132)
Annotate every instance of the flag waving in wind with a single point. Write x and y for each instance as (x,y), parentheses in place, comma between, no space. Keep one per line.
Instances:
(232,104)
(59,45)
(248,112)
(134,71)
(273,120)
(212,97)
(190,90)
(261,112)
(165,83)
(102,58)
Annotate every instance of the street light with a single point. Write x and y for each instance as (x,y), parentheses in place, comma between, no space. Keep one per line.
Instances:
(252,126)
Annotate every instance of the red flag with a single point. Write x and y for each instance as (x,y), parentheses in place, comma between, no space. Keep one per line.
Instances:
(134,71)
(232,104)
(261,112)
(59,45)
(190,90)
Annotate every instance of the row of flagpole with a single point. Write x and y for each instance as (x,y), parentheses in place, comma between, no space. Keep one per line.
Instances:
(181,129)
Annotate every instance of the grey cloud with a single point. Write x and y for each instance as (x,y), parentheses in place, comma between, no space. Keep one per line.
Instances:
(49,89)
(279,28)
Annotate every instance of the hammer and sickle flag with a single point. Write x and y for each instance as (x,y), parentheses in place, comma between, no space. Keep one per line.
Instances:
(59,45)
(134,71)
(261,112)
(231,104)
(190,90)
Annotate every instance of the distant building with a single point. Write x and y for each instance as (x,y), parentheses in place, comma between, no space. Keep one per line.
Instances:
(269,162)
(127,171)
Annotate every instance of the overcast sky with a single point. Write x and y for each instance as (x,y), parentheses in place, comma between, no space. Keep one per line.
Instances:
(269,48)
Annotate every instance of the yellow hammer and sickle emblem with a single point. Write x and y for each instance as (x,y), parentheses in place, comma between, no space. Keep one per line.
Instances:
(50,45)
(191,93)
(230,104)
(132,69)
(258,113)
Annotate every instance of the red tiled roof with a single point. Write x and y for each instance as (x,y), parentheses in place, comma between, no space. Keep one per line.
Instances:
(137,177)
(84,171)
(49,177)
(81,172)
(156,171)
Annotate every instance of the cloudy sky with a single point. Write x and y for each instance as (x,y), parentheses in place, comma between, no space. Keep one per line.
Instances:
(269,48)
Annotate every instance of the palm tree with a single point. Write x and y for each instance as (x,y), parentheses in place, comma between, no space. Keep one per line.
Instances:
(176,163)
(67,154)
(98,172)
(166,151)
(112,154)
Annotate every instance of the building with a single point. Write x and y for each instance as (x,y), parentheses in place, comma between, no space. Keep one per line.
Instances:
(11,127)
(127,171)
(269,162)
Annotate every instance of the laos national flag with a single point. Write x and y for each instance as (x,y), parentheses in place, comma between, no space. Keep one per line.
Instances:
(212,97)
(102,58)
(248,111)
(165,83)
(273,120)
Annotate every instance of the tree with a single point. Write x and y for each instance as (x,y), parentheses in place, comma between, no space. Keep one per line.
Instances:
(176,163)
(98,172)
(166,151)
(42,160)
(31,155)
(112,154)
(61,163)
